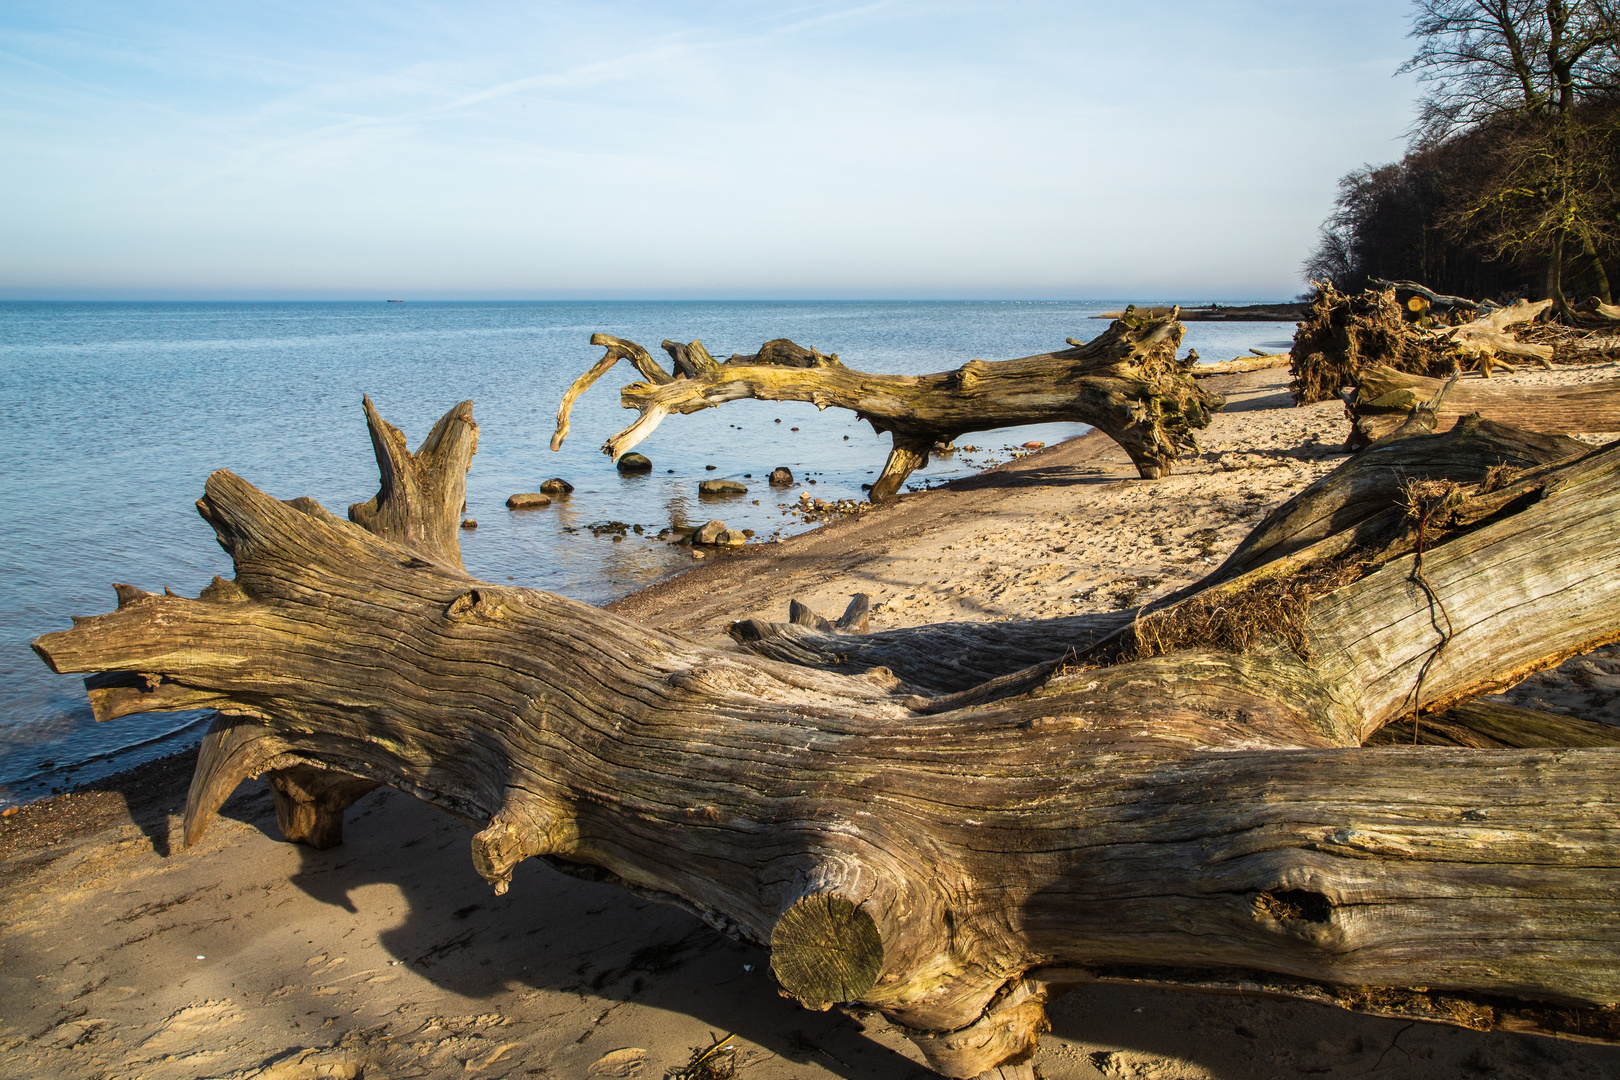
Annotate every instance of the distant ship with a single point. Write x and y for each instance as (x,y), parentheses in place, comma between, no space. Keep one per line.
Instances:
(396,301)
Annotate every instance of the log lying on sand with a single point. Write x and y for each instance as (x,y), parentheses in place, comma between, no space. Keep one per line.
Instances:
(1126,382)
(1188,803)
(1385,397)
(1241,364)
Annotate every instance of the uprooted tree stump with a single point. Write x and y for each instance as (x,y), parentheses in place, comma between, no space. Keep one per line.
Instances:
(1346,334)
(1180,796)
(1127,382)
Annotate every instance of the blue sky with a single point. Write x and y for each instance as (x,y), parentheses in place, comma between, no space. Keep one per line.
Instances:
(569,150)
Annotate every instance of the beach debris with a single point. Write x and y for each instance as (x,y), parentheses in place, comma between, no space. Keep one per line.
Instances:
(717,1061)
(557,486)
(527,500)
(1385,397)
(710,468)
(634,463)
(781,476)
(1033,444)
(836,794)
(722,487)
(1127,381)
(469,523)
(1344,334)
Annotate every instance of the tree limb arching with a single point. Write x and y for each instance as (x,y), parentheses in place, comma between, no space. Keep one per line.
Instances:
(1203,817)
(1126,382)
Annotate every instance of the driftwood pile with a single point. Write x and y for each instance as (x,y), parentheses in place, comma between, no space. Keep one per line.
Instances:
(952,824)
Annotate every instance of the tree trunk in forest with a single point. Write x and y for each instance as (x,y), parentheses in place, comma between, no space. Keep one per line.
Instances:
(1185,802)
(1385,398)
(1127,382)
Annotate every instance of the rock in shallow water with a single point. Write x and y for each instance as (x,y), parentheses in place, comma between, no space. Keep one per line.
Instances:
(527,500)
(722,487)
(634,463)
(556,486)
(781,476)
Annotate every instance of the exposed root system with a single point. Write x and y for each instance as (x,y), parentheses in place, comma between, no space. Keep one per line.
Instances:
(1341,334)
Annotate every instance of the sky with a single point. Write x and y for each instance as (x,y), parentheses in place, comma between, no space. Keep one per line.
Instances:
(562,150)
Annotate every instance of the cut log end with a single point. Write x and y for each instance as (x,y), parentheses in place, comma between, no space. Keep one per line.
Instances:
(825,949)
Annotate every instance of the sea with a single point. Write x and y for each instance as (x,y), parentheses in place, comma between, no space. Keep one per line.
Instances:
(115,413)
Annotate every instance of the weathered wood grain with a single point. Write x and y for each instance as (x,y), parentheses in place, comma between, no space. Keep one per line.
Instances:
(954,859)
(1385,396)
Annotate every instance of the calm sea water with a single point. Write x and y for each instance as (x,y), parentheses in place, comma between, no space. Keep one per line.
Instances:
(114,414)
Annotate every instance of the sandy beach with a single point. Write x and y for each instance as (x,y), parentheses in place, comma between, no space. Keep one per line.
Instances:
(122,956)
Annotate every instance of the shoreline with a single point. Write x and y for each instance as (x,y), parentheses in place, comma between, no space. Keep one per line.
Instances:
(249,958)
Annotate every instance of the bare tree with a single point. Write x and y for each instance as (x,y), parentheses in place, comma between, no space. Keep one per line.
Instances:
(1526,68)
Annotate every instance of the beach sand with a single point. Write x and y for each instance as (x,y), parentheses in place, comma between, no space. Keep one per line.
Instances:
(123,957)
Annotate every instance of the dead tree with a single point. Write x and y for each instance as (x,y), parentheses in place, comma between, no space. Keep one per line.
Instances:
(1344,335)
(1126,382)
(1186,800)
(1385,397)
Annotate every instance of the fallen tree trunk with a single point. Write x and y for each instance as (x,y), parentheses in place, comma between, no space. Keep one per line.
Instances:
(1181,805)
(1127,382)
(1385,397)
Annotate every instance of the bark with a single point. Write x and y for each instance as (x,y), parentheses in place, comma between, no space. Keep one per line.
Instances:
(1201,814)
(1385,398)
(1126,382)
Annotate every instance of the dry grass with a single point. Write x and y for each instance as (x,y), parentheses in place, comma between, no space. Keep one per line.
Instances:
(1235,621)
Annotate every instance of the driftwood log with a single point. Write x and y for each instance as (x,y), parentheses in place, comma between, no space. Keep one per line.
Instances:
(1127,382)
(1385,397)
(1181,797)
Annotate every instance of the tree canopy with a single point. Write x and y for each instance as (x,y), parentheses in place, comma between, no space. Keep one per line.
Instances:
(1508,184)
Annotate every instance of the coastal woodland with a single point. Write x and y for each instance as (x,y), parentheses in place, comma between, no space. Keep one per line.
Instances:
(1276,781)
(1509,187)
